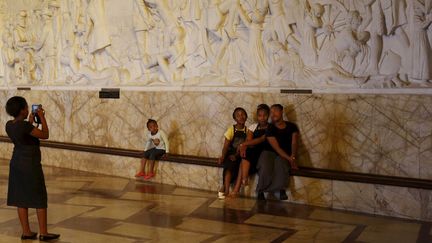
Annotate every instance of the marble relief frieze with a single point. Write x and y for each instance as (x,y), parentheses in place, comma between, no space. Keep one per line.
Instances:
(234,43)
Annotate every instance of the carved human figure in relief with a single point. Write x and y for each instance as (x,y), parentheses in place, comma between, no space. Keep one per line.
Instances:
(25,66)
(97,36)
(255,59)
(420,17)
(388,17)
(47,51)
(279,20)
(363,58)
(342,51)
(312,21)
(171,61)
(143,22)
(347,44)
(8,57)
(191,16)
(222,19)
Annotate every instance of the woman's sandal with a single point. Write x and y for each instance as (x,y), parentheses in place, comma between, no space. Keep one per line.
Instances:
(33,236)
(49,237)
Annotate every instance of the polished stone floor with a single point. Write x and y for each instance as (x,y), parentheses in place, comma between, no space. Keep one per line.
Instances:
(85,207)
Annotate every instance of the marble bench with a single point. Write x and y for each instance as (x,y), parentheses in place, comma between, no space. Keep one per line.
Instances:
(369,193)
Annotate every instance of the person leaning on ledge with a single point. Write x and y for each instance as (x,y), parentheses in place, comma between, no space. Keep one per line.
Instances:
(274,166)
(26,178)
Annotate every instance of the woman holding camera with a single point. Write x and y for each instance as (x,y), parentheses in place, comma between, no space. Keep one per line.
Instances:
(26,179)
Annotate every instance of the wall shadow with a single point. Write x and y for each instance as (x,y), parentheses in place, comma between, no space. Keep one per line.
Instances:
(303,155)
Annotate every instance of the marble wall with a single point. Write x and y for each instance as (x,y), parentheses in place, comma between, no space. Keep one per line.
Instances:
(254,43)
(378,134)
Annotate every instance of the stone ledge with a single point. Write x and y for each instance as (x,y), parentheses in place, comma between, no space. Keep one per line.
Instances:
(204,161)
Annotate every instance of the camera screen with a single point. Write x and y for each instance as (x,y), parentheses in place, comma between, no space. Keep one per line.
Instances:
(35,108)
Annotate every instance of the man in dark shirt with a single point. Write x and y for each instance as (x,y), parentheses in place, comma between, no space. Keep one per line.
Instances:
(274,164)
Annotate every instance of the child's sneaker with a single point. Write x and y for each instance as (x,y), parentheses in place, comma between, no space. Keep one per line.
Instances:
(140,174)
(149,176)
(221,195)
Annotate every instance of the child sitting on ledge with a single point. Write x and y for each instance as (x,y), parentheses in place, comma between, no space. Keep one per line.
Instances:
(234,136)
(157,146)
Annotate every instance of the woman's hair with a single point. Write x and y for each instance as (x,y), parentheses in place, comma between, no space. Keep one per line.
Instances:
(239,109)
(15,105)
(263,107)
(149,121)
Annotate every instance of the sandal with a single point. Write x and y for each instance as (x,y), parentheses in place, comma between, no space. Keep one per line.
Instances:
(140,174)
(221,195)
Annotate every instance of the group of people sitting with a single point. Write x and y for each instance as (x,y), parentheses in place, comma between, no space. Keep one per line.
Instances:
(266,148)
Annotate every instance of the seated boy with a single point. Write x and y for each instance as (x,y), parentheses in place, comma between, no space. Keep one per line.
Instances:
(157,146)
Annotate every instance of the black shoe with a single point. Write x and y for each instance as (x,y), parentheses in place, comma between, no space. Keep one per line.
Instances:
(33,236)
(261,196)
(282,195)
(49,237)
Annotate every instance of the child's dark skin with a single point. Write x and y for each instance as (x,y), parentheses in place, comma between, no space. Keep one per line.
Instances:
(153,128)
(240,117)
(262,116)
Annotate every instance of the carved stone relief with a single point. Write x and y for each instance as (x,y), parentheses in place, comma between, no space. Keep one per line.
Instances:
(253,43)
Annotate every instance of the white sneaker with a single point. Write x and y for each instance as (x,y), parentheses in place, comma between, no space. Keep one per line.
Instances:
(221,195)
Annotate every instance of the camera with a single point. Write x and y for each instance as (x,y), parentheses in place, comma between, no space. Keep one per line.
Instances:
(35,108)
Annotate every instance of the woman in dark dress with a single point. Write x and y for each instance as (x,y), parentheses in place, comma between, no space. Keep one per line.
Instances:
(251,149)
(26,179)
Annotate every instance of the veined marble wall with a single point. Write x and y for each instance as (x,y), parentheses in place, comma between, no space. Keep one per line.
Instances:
(255,43)
(379,134)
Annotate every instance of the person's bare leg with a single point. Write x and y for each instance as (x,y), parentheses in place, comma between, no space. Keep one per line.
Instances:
(23,217)
(143,165)
(152,164)
(245,166)
(227,182)
(238,183)
(42,219)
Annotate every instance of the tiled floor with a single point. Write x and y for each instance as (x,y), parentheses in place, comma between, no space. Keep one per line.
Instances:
(92,208)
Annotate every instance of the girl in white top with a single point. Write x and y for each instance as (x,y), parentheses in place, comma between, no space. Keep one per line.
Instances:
(156,147)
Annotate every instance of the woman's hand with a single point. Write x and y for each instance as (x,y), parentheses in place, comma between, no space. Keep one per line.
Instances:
(242,150)
(165,156)
(41,113)
(31,118)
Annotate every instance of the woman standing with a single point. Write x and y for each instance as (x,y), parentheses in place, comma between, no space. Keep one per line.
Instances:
(26,178)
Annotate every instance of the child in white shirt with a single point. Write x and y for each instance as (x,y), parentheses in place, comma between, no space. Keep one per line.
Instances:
(157,146)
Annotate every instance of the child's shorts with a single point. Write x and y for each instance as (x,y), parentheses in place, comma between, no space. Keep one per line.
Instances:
(154,154)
